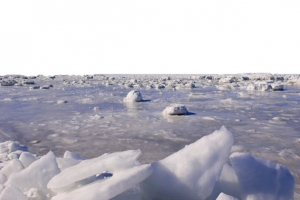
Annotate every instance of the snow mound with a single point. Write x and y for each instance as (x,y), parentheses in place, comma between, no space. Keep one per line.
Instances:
(175,109)
(133,96)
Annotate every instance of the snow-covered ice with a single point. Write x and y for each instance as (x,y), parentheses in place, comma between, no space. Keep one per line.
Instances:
(175,109)
(133,96)
(62,119)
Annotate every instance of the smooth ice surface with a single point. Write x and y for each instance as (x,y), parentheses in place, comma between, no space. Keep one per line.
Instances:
(13,166)
(27,158)
(88,168)
(192,172)
(227,183)
(108,188)
(223,196)
(36,175)
(64,163)
(69,154)
(261,179)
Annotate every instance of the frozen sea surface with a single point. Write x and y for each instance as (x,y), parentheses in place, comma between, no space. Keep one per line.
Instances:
(87,115)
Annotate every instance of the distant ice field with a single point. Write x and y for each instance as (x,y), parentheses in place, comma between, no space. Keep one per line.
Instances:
(88,115)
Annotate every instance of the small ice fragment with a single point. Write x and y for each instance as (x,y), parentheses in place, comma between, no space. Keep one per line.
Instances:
(223,196)
(61,101)
(7,99)
(45,87)
(69,154)
(175,109)
(208,118)
(34,87)
(277,87)
(96,108)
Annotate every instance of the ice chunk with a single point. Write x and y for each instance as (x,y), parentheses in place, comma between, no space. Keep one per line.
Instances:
(108,188)
(62,101)
(175,109)
(227,183)
(36,175)
(13,166)
(277,87)
(190,173)
(262,179)
(64,163)
(69,154)
(12,193)
(27,158)
(11,146)
(133,96)
(88,168)
(14,155)
(223,196)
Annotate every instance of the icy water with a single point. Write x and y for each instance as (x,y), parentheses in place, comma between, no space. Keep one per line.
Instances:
(266,124)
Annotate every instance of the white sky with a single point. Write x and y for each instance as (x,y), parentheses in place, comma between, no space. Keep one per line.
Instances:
(149,36)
